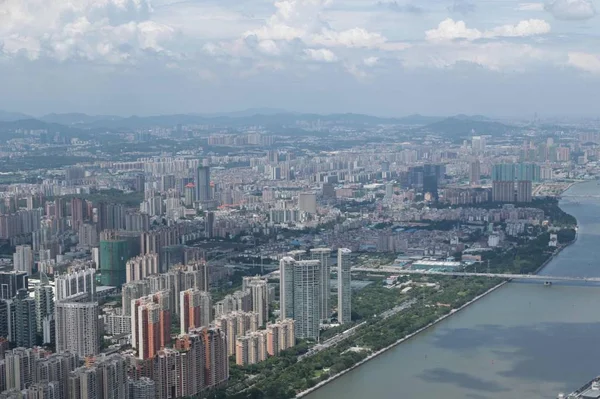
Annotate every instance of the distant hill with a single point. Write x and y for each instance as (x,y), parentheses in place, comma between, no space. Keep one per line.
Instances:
(6,116)
(462,126)
(77,118)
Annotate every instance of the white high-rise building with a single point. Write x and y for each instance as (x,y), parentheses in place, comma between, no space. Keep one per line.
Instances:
(23,259)
(77,328)
(76,282)
(344,285)
(323,255)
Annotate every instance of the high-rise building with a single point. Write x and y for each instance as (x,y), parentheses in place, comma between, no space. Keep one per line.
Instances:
(195,309)
(286,287)
(44,305)
(11,282)
(503,191)
(209,224)
(23,259)
(503,172)
(524,191)
(76,282)
(150,324)
(202,182)
(475,173)
(133,290)
(106,378)
(216,366)
(344,285)
(142,388)
(527,171)
(478,144)
(142,266)
(307,202)
(25,320)
(77,328)
(192,360)
(307,295)
(78,213)
(114,254)
(280,336)
(258,288)
(20,367)
(324,255)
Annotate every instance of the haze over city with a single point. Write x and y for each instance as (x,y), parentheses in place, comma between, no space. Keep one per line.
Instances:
(386,58)
(284,199)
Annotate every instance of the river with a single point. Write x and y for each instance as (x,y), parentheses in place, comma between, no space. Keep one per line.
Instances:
(523,341)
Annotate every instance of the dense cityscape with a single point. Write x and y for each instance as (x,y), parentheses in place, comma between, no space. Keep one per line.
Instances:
(259,256)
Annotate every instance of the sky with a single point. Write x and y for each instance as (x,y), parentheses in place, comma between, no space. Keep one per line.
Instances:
(381,57)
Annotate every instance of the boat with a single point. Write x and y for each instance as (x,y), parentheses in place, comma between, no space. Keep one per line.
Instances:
(547,283)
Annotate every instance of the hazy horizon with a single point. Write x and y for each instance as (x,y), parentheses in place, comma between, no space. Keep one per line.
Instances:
(384,58)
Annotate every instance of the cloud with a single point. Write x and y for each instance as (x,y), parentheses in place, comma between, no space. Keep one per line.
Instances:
(530,7)
(321,55)
(110,31)
(356,37)
(585,61)
(573,10)
(449,29)
(371,61)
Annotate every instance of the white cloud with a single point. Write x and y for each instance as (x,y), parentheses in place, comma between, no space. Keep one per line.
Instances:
(449,29)
(530,7)
(371,61)
(585,61)
(571,9)
(321,55)
(108,30)
(357,37)
(530,27)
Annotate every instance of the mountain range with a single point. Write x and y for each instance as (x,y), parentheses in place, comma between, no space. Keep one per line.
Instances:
(78,123)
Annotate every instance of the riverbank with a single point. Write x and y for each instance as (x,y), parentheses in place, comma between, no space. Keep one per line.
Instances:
(440,319)
(401,340)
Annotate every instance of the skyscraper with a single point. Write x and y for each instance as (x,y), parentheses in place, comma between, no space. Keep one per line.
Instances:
(105,379)
(344,285)
(475,173)
(323,255)
(150,324)
(216,366)
(76,282)
(524,191)
(307,295)
(11,282)
(286,287)
(25,320)
(202,182)
(258,288)
(209,224)
(23,259)
(195,309)
(44,304)
(114,254)
(77,328)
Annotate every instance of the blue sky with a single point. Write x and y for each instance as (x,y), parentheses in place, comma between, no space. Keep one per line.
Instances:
(384,57)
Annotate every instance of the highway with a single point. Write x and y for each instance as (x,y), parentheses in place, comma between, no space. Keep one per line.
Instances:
(396,270)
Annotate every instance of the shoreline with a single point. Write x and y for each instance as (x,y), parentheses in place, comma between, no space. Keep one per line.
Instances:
(400,341)
(428,326)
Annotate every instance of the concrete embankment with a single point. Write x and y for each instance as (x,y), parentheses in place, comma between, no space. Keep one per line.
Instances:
(401,340)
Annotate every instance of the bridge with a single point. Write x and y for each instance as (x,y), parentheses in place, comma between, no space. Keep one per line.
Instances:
(534,277)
